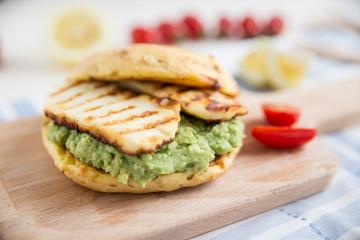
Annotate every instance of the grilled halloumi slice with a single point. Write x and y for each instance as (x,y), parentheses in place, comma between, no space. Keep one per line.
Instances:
(151,62)
(133,123)
(205,104)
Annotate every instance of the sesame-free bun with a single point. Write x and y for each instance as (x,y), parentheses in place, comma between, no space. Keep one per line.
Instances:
(98,180)
(159,63)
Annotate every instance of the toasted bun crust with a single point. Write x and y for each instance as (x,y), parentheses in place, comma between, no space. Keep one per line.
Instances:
(160,63)
(98,180)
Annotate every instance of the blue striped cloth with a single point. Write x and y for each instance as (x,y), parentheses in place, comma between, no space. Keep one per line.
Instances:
(331,214)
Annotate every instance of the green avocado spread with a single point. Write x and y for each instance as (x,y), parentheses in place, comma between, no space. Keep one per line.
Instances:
(195,145)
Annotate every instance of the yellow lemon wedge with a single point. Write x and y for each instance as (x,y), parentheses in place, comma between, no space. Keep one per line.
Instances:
(286,70)
(77,32)
(253,68)
(266,66)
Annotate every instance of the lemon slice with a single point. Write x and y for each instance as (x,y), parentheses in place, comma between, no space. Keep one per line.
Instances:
(253,68)
(286,69)
(266,66)
(77,32)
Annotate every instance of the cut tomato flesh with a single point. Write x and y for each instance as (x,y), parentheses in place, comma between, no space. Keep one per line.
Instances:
(280,114)
(283,137)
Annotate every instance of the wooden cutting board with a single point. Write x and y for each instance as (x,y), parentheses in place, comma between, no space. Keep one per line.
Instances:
(38,202)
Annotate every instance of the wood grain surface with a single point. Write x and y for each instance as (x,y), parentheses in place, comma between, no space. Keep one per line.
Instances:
(38,202)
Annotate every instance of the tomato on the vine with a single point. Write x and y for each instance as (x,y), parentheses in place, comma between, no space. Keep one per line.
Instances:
(250,27)
(193,27)
(167,31)
(142,35)
(275,26)
(224,27)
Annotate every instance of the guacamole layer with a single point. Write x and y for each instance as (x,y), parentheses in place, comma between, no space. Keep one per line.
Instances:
(195,145)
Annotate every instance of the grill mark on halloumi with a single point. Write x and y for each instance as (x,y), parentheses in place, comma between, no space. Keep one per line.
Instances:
(131,122)
(161,85)
(164,102)
(71,98)
(110,113)
(215,106)
(64,89)
(182,89)
(98,85)
(131,117)
(148,126)
(89,100)
(97,107)
(200,96)
(111,92)
(129,94)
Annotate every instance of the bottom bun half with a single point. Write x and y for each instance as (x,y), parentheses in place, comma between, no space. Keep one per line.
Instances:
(98,180)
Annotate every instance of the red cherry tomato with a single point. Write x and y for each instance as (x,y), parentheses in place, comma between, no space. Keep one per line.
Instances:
(224,27)
(193,26)
(180,31)
(167,32)
(250,28)
(283,137)
(142,35)
(280,114)
(275,26)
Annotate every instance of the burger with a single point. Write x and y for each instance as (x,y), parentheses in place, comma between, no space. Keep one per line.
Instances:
(145,118)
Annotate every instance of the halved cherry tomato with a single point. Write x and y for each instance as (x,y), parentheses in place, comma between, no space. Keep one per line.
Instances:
(280,114)
(283,137)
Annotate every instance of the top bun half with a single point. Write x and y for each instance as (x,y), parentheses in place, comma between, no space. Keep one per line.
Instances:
(156,63)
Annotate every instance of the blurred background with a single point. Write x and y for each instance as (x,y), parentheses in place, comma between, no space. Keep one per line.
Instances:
(312,42)
(267,46)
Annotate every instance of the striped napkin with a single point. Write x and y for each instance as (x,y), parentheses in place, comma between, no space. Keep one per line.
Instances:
(331,214)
